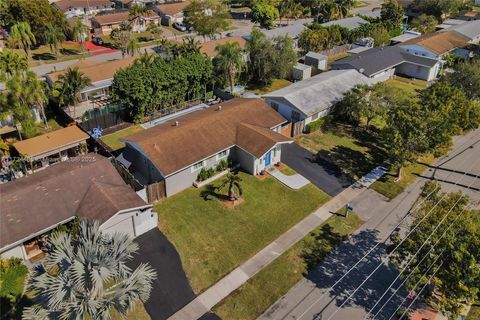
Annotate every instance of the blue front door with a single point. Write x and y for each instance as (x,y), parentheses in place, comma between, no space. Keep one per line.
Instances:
(268,158)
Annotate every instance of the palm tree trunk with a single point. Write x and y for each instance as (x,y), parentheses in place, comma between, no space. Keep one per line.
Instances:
(231,80)
(399,173)
(42,110)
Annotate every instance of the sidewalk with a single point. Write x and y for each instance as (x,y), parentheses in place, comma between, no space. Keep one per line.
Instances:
(296,181)
(220,290)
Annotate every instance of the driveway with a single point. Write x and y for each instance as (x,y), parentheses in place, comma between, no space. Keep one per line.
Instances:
(171,290)
(324,174)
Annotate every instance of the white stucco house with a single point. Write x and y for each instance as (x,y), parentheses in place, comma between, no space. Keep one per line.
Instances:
(80,8)
(88,186)
(246,131)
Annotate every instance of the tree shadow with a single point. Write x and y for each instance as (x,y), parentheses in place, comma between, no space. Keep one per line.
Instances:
(14,311)
(43,56)
(210,192)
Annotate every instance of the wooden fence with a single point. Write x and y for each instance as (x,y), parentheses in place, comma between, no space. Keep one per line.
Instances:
(156,192)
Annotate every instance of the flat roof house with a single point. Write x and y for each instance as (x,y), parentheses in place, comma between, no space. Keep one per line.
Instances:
(105,23)
(97,94)
(79,8)
(173,153)
(171,12)
(88,186)
(350,23)
(308,100)
(52,147)
(380,64)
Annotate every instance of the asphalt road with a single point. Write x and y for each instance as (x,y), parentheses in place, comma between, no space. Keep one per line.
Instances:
(315,297)
(325,175)
(171,290)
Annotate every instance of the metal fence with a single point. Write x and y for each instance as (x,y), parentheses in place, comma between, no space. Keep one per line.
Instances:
(103,118)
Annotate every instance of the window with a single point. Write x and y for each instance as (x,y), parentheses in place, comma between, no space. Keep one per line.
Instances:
(197,166)
(222,154)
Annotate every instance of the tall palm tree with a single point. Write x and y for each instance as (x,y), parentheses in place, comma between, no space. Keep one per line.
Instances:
(37,89)
(233,182)
(80,33)
(87,276)
(21,36)
(11,64)
(53,37)
(133,47)
(69,86)
(229,61)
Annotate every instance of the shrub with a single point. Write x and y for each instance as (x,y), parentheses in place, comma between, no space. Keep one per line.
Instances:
(317,124)
(204,174)
(12,278)
(222,165)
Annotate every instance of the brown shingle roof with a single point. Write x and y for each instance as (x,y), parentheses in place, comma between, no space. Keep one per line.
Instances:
(172,8)
(118,17)
(89,186)
(440,42)
(203,133)
(209,47)
(96,71)
(64,5)
(50,141)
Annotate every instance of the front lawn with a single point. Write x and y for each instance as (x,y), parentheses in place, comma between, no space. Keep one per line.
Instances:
(213,240)
(68,51)
(409,86)
(286,170)
(277,84)
(474,313)
(260,292)
(113,139)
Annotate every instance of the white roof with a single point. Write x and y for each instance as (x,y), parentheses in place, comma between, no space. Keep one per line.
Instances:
(316,55)
(292,30)
(301,66)
(470,29)
(320,92)
(349,23)
(406,36)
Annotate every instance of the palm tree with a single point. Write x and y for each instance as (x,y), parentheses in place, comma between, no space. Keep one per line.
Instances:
(53,37)
(87,277)
(38,95)
(21,36)
(133,47)
(11,64)
(68,88)
(146,58)
(80,33)
(233,182)
(229,61)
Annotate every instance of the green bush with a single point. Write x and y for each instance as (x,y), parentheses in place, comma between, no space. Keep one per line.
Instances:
(204,174)
(317,124)
(12,278)
(222,165)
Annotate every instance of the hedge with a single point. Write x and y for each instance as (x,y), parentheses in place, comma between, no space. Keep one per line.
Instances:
(317,124)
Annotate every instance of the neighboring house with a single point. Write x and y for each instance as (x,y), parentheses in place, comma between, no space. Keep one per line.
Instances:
(381,64)
(46,149)
(79,8)
(408,35)
(469,15)
(89,187)
(469,30)
(350,23)
(105,23)
(171,12)
(294,30)
(305,101)
(209,47)
(97,94)
(7,125)
(172,154)
(435,45)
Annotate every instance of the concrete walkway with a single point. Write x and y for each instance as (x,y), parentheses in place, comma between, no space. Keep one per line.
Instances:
(220,290)
(296,181)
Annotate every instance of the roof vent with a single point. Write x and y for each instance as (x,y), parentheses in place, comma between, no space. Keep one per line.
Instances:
(361,70)
(177,123)
(219,108)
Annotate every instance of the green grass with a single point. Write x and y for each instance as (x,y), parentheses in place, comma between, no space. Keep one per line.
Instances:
(474,313)
(138,313)
(391,188)
(43,54)
(113,140)
(260,292)
(338,57)
(360,4)
(354,150)
(410,86)
(476,8)
(212,240)
(276,85)
(286,170)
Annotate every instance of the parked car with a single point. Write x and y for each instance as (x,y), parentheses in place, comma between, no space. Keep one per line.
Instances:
(98,41)
(180,26)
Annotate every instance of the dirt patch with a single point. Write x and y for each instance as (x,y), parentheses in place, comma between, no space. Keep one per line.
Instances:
(232,204)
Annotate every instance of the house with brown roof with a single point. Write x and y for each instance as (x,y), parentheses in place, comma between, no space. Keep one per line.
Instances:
(246,131)
(79,8)
(209,47)
(105,23)
(171,11)
(52,147)
(88,186)
(435,45)
(97,94)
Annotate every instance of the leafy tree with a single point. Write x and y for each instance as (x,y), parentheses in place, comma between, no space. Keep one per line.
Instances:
(392,11)
(125,42)
(424,23)
(438,8)
(467,78)
(232,182)
(314,40)
(136,11)
(285,58)
(38,13)
(21,36)
(53,37)
(377,31)
(265,14)
(451,233)
(261,66)
(11,64)
(88,277)
(334,9)
(208,17)
(80,33)
(132,47)
(69,86)
(229,61)
(146,58)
